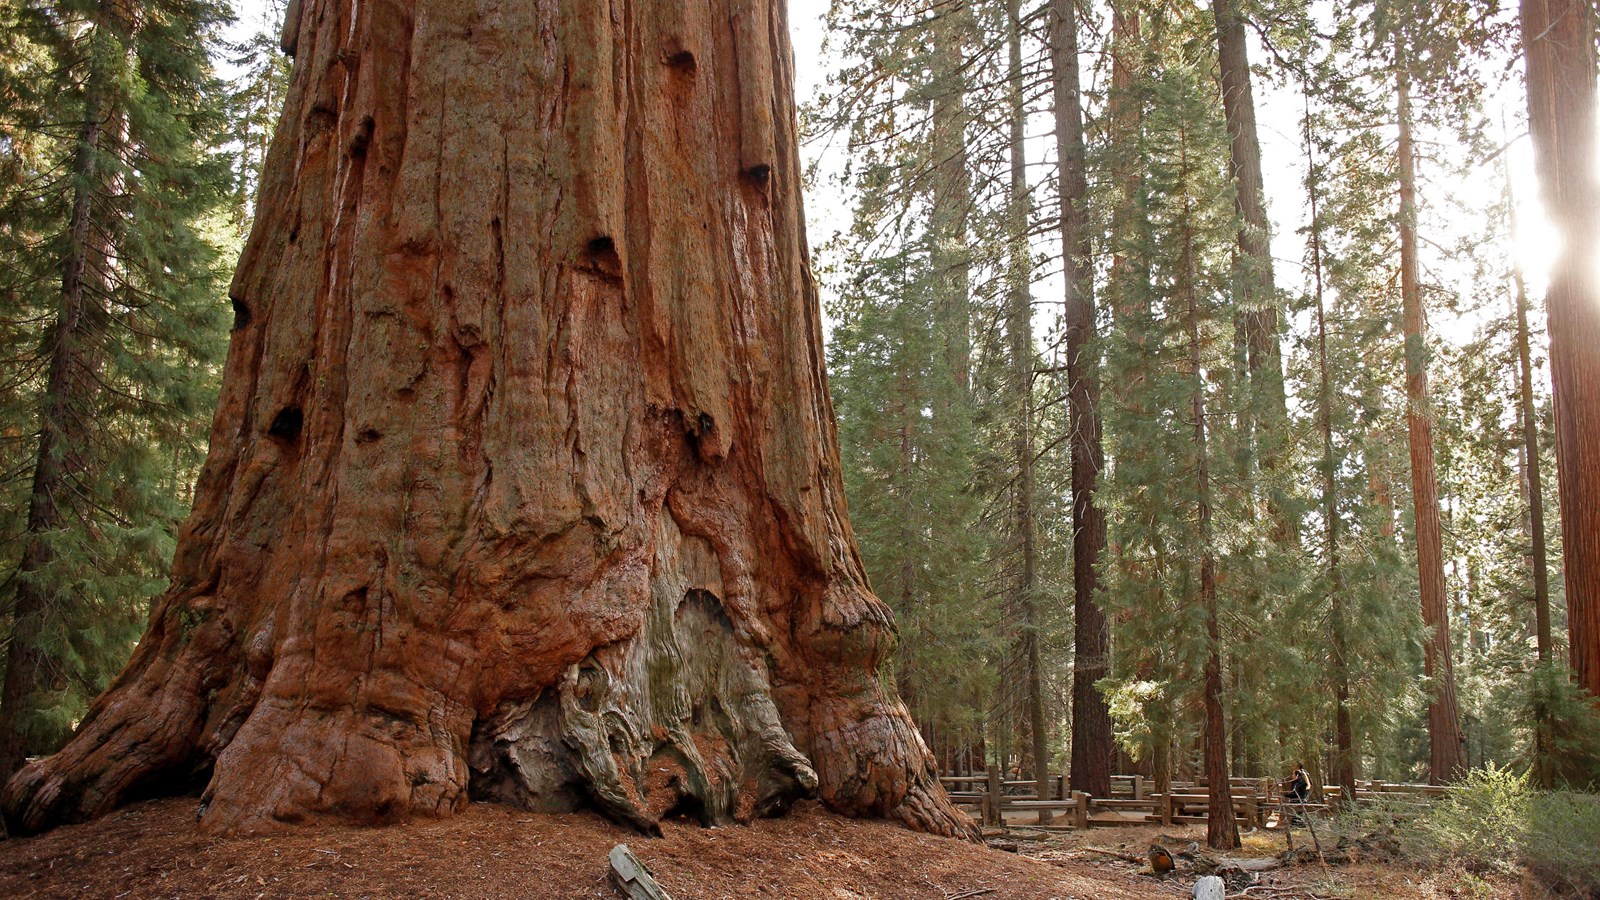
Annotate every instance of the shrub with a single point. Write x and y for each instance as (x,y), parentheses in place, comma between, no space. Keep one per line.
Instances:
(1494,823)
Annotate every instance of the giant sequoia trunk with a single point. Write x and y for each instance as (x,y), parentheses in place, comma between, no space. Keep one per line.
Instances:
(524,482)
(1558,39)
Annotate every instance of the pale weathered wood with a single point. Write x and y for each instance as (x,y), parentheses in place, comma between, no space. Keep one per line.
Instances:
(632,877)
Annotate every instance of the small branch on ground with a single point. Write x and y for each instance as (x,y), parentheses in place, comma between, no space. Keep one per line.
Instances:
(1127,857)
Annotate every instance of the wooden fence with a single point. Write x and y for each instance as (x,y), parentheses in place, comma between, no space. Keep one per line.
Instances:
(1132,802)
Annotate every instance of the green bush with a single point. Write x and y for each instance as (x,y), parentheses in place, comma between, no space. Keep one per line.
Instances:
(1483,823)
(1494,823)
(1562,845)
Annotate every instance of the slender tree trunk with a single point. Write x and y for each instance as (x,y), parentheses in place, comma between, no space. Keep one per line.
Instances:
(524,482)
(1558,40)
(1092,745)
(1257,287)
(1530,441)
(1344,758)
(1126,114)
(1019,325)
(66,417)
(1222,830)
(1533,485)
(1444,720)
(952,194)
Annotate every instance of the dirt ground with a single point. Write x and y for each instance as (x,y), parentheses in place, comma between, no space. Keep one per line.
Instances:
(1359,880)
(152,850)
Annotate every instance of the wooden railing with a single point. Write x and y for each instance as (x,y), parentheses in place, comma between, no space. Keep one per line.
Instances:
(991,798)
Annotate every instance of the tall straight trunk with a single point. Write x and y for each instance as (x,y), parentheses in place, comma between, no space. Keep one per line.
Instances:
(1344,760)
(1533,485)
(64,429)
(1125,112)
(1019,325)
(1222,830)
(524,483)
(1093,749)
(1257,287)
(1529,415)
(1558,40)
(1444,720)
(952,195)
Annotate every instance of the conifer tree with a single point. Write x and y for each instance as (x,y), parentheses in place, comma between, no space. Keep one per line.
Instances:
(1092,749)
(1444,717)
(111,270)
(1019,333)
(903,351)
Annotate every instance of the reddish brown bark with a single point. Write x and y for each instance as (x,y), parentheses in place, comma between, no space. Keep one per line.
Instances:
(1445,740)
(524,481)
(1558,40)
(1093,750)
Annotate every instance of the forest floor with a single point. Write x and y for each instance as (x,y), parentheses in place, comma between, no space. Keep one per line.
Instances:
(1358,879)
(154,850)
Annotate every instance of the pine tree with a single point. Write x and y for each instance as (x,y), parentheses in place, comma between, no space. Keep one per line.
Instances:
(112,266)
(253,105)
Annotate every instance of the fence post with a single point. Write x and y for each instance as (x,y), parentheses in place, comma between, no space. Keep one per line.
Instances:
(1138,787)
(1080,812)
(993,798)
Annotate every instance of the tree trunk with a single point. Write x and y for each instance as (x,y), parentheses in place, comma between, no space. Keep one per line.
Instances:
(1344,758)
(524,482)
(1019,325)
(1092,745)
(1444,721)
(1558,39)
(1257,288)
(1535,477)
(1533,486)
(1222,831)
(952,195)
(1129,277)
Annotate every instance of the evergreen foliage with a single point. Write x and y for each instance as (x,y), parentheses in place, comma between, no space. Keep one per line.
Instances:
(114,253)
(1311,513)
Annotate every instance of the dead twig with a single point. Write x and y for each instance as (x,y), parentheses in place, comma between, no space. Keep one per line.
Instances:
(975,892)
(1126,857)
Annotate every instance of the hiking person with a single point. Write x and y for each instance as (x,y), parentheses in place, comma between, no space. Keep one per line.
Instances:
(1298,787)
